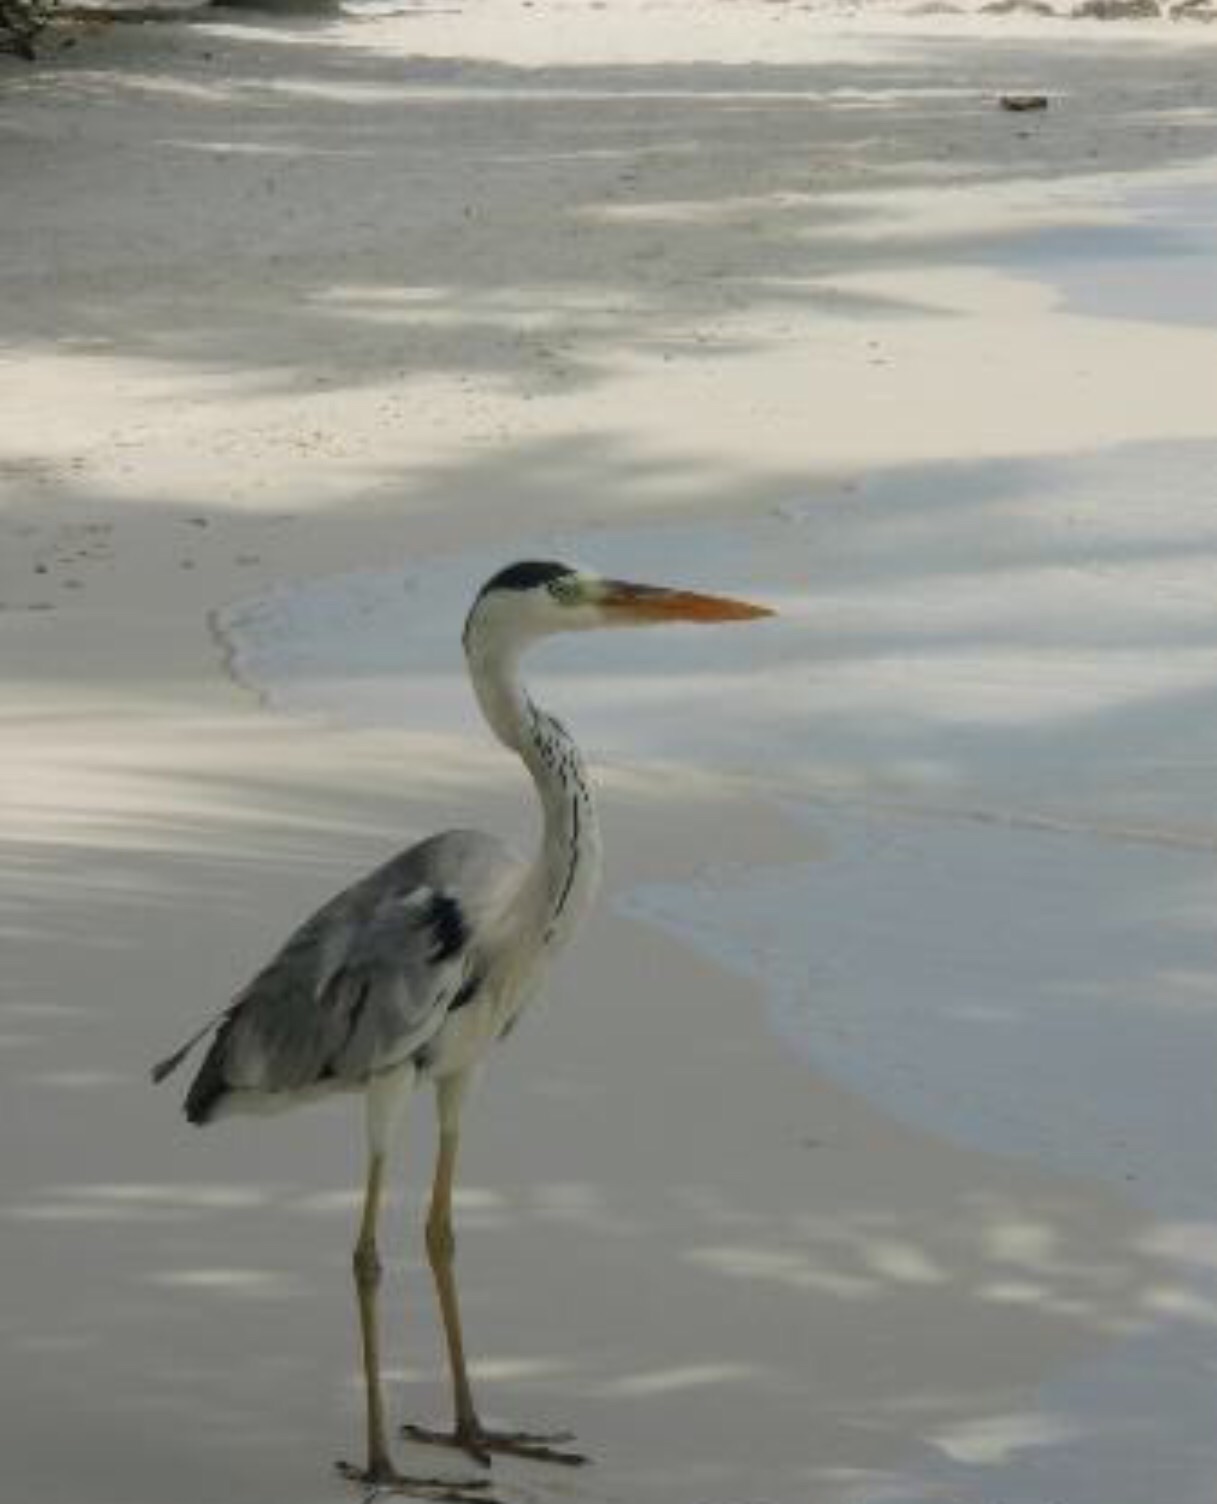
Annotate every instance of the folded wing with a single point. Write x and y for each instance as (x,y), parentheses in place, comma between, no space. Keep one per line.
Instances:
(360,987)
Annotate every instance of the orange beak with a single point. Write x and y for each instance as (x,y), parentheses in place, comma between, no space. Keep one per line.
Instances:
(650,603)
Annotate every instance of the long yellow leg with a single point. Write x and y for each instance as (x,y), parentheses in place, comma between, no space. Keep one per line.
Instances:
(468,1434)
(441,1250)
(366,1263)
(380,1473)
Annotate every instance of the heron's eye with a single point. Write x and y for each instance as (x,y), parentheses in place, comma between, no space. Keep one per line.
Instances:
(565,589)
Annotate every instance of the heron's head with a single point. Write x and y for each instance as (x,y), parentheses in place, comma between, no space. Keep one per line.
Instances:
(538,598)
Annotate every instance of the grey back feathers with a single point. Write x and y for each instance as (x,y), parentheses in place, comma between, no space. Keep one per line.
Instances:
(363,985)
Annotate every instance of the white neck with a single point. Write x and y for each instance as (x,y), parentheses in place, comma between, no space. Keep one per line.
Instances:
(562,879)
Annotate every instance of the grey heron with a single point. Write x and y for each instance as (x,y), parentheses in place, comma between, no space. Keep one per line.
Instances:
(413,972)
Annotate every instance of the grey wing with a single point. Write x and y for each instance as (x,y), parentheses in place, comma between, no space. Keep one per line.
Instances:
(364,983)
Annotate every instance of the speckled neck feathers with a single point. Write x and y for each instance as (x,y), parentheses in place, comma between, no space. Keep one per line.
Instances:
(562,880)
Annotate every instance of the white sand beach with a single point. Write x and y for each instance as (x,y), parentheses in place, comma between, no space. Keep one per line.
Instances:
(862,1149)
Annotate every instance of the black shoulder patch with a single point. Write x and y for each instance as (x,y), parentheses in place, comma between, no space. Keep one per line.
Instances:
(526,575)
(447,925)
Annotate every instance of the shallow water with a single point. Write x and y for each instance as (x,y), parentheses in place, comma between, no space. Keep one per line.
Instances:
(1158,267)
(1030,640)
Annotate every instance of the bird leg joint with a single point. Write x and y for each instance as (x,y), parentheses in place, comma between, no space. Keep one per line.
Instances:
(441,1241)
(366,1263)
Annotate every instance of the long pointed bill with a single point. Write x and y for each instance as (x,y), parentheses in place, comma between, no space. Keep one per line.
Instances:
(628,603)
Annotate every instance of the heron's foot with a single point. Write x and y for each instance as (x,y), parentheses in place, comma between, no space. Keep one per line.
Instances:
(481,1443)
(381,1477)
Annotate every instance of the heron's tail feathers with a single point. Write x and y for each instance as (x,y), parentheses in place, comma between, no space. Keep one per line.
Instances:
(207,1090)
(166,1067)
